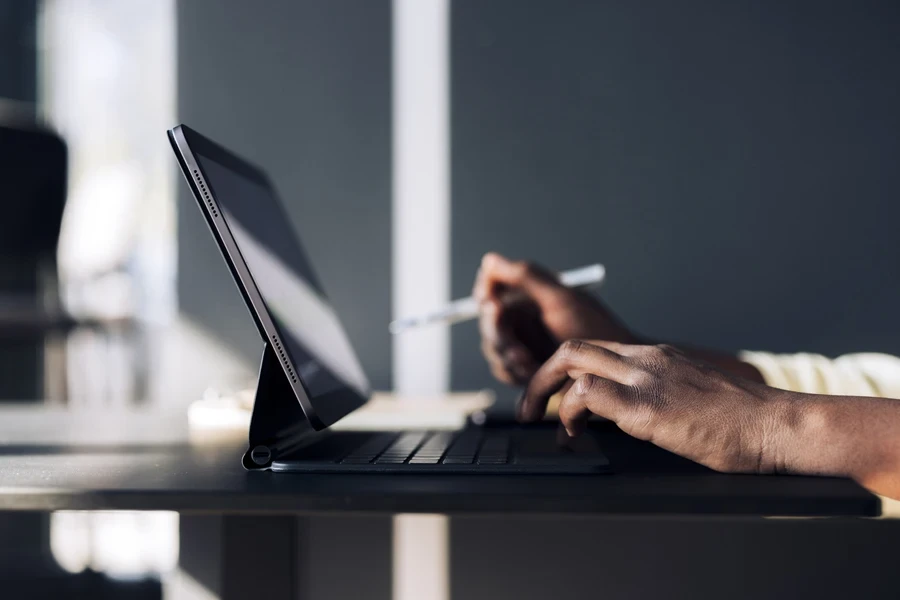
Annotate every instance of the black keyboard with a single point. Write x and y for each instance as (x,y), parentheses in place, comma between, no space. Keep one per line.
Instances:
(427,448)
(474,450)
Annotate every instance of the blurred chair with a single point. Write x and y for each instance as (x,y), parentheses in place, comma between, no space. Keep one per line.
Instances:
(33,165)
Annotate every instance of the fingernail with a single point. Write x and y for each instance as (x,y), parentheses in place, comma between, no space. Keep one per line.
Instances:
(520,407)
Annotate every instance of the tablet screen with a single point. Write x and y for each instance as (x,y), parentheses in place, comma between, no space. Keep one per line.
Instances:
(311,331)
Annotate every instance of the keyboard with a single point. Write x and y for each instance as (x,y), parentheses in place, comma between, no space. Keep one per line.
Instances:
(473,450)
(426,448)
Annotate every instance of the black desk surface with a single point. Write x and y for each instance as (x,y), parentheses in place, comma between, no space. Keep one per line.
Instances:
(207,477)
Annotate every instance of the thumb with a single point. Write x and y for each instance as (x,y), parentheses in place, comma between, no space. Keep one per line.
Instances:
(538,283)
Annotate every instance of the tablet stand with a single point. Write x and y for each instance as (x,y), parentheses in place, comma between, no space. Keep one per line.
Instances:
(278,424)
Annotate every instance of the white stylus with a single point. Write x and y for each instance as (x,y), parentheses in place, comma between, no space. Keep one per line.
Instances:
(467,308)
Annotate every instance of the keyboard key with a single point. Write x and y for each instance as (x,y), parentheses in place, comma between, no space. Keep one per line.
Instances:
(494,450)
(371,448)
(465,446)
(466,450)
(401,449)
(391,461)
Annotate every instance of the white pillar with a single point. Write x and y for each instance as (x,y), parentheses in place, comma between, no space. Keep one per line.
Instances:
(421,182)
(421,257)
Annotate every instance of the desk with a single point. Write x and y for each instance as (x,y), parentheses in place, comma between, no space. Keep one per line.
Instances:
(127,466)
(146,462)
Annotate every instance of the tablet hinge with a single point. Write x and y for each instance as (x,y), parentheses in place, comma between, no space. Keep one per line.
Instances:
(278,425)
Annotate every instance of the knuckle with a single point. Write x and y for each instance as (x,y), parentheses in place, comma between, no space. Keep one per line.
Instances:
(524,270)
(520,269)
(586,385)
(644,354)
(637,378)
(657,351)
(653,359)
(570,348)
(527,268)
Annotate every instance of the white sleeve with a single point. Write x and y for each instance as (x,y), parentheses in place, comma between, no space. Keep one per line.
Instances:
(849,375)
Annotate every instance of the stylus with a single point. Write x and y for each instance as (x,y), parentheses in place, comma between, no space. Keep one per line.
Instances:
(465,309)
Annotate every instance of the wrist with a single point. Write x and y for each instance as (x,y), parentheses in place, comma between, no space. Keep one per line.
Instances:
(808,438)
(841,436)
(777,432)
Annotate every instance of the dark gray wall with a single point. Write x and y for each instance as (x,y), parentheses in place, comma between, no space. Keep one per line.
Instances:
(734,164)
(303,89)
(18,50)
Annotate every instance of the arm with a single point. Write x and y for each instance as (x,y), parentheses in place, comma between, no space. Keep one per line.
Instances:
(844,436)
(728,423)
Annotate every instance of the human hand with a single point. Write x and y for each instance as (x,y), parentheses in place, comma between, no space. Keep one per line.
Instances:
(526,313)
(658,394)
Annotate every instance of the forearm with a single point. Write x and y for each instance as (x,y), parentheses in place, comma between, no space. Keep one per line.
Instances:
(842,436)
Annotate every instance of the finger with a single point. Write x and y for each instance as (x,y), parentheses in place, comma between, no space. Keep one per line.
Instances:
(522,324)
(488,318)
(510,361)
(520,363)
(563,439)
(552,409)
(632,350)
(573,359)
(538,283)
(504,320)
(479,288)
(487,327)
(617,347)
(501,373)
(496,330)
(591,394)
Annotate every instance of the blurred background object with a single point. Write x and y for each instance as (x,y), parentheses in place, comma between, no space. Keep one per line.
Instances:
(108,86)
(33,186)
(107,83)
(87,242)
